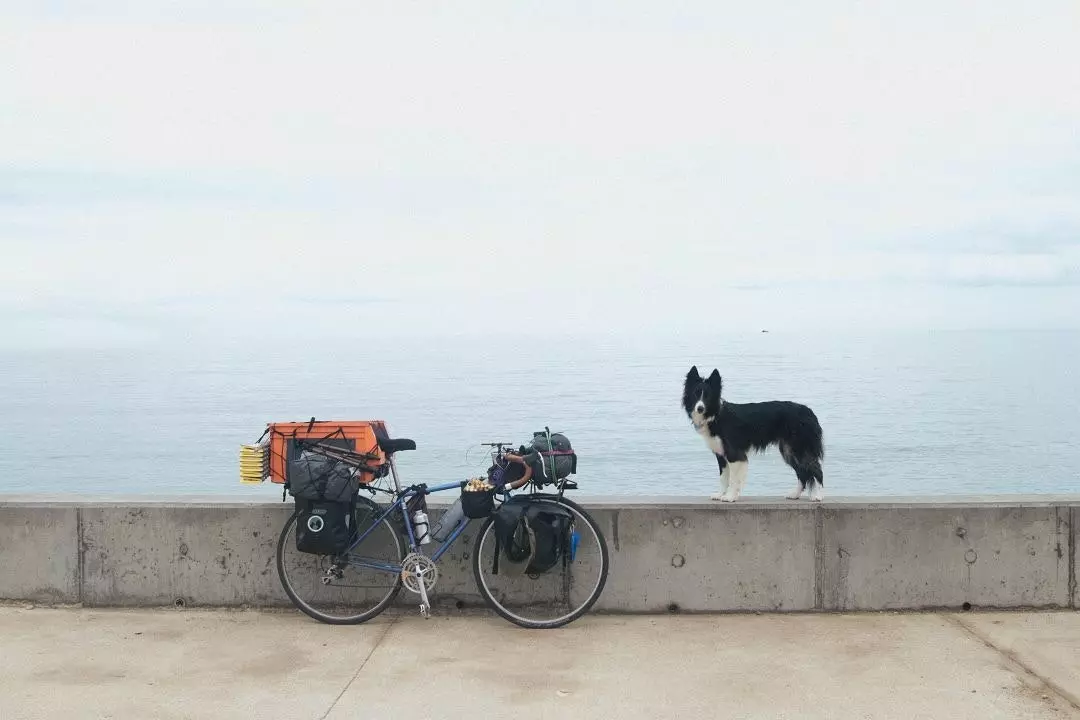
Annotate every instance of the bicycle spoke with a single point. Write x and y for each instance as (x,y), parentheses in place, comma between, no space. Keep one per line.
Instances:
(345,593)
(549,599)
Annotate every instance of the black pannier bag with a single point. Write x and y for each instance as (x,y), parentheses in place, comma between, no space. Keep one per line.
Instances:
(325,492)
(532,536)
(512,536)
(323,528)
(551,526)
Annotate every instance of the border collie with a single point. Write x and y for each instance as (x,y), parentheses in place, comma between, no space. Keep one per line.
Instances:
(731,430)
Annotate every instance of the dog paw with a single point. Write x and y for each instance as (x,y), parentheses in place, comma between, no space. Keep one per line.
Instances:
(794,495)
(716,496)
(817,497)
(728,497)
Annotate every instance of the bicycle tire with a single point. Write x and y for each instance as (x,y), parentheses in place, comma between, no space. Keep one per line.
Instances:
(485,592)
(308,609)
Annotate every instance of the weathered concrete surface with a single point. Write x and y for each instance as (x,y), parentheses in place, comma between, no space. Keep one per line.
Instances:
(39,554)
(1047,644)
(885,558)
(758,554)
(152,664)
(203,555)
(229,664)
(1074,552)
(701,559)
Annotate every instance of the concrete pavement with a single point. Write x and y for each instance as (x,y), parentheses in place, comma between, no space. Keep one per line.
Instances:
(77,663)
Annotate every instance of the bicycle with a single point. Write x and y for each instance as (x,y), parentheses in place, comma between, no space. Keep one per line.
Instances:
(385,532)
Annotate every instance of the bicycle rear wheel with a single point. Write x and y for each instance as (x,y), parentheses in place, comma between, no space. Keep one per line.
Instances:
(551,599)
(341,593)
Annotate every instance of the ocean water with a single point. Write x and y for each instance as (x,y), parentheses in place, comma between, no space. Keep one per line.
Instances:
(903,413)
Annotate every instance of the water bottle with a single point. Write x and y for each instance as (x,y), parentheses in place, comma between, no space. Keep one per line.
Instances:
(420,527)
(449,520)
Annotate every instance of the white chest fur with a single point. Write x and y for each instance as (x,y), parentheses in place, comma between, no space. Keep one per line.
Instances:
(715,444)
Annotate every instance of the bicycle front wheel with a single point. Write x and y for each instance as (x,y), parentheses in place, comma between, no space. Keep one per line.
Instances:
(553,598)
(342,591)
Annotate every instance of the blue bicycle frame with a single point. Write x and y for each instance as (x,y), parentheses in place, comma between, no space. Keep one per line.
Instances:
(402,499)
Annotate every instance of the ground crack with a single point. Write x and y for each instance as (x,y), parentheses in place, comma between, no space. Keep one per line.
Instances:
(1015,659)
(345,689)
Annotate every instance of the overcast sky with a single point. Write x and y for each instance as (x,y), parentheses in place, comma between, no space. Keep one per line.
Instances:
(637,166)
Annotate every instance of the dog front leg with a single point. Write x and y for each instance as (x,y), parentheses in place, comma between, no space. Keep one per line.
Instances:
(725,476)
(738,472)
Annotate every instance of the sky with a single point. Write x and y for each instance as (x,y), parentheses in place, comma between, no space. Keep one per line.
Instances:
(204,169)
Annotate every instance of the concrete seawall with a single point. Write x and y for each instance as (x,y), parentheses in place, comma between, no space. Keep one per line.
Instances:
(667,553)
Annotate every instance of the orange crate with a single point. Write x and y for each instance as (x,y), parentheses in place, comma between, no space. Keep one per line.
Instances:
(357,435)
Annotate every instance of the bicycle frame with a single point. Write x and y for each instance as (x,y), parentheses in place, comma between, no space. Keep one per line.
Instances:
(399,503)
(415,569)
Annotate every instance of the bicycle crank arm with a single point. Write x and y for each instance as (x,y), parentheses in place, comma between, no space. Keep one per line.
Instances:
(425,606)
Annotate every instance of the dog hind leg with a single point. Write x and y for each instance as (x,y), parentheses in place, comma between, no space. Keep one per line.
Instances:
(817,493)
(810,476)
(805,478)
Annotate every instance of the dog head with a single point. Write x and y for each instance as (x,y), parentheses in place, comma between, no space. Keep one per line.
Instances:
(701,398)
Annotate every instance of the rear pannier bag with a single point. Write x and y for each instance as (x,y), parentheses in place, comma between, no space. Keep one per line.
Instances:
(323,528)
(325,492)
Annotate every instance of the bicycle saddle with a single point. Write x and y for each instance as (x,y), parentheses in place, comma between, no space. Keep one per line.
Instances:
(390,447)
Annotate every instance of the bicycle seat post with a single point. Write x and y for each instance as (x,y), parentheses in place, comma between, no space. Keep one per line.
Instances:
(393,473)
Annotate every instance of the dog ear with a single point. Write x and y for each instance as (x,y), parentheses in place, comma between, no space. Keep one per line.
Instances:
(693,374)
(715,378)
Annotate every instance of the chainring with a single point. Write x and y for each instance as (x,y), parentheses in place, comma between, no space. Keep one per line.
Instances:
(428,571)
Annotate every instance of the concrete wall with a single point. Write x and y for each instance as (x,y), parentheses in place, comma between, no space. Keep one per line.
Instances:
(667,553)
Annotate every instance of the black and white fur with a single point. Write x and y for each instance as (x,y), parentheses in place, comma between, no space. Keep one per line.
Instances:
(731,430)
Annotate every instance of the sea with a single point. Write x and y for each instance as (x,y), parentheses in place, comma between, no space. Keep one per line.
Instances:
(904,413)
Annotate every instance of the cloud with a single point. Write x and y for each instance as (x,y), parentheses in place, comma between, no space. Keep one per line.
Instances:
(1014,269)
(643,163)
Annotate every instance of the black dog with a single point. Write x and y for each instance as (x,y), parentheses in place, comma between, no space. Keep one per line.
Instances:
(731,430)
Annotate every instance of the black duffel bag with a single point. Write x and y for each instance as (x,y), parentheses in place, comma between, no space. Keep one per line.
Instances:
(325,492)
(316,477)
(552,458)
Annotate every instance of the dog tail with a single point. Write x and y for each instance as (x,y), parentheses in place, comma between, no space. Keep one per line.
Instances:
(810,437)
